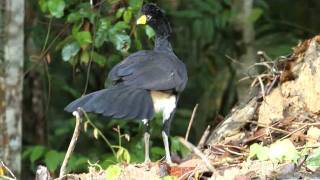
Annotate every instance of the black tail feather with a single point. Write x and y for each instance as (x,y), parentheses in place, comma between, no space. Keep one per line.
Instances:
(120,101)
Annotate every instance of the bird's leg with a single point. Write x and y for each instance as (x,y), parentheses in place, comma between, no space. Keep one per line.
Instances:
(165,134)
(146,140)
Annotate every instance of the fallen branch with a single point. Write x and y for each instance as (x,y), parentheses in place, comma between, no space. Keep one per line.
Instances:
(233,124)
(73,141)
(198,153)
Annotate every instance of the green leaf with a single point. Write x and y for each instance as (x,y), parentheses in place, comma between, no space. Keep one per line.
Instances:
(53,159)
(255,14)
(56,7)
(36,153)
(83,37)
(313,160)
(157,151)
(102,32)
(135,4)
(126,156)
(127,16)
(43,5)
(119,27)
(74,17)
(170,178)
(120,12)
(113,172)
(283,150)
(83,12)
(70,50)
(121,41)
(261,152)
(85,56)
(99,59)
(149,31)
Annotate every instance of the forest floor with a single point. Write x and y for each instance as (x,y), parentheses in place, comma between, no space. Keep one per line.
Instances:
(275,135)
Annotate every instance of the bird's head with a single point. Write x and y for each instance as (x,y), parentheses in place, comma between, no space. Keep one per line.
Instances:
(154,16)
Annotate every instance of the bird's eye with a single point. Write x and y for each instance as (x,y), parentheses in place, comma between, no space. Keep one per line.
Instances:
(148,17)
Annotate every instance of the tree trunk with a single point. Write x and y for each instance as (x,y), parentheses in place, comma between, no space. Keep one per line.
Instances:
(247,55)
(11,82)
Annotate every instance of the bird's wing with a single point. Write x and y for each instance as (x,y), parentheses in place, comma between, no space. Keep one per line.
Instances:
(151,70)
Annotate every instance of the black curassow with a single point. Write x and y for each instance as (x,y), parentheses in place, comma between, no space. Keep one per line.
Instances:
(144,83)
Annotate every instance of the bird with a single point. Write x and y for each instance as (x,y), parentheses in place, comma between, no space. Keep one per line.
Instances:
(143,84)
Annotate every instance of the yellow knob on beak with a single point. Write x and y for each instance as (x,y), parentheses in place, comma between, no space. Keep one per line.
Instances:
(142,19)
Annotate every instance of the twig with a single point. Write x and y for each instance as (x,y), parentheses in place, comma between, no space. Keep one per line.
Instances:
(233,152)
(11,173)
(191,121)
(73,141)
(262,87)
(198,153)
(270,127)
(204,137)
(292,132)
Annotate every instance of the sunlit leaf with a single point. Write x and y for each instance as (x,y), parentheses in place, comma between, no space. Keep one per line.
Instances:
(2,170)
(127,15)
(170,178)
(56,7)
(283,150)
(150,32)
(70,50)
(314,159)
(83,37)
(113,172)
(126,156)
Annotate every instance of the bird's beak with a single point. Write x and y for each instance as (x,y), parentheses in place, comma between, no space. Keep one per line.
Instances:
(142,19)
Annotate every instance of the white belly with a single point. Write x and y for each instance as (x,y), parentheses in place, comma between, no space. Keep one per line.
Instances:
(163,102)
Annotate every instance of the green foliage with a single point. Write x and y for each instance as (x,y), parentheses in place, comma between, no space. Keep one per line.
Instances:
(56,7)
(282,150)
(313,161)
(261,152)
(178,147)
(70,50)
(170,178)
(112,172)
(203,35)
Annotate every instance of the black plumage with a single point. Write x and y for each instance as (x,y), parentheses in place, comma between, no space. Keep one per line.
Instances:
(142,81)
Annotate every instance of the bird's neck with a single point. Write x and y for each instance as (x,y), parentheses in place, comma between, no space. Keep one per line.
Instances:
(163,31)
(162,43)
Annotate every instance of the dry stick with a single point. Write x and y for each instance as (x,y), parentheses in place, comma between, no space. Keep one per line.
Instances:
(11,173)
(292,132)
(198,153)
(204,137)
(73,141)
(191,121)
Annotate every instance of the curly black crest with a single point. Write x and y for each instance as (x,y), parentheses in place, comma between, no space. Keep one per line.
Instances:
(152,10)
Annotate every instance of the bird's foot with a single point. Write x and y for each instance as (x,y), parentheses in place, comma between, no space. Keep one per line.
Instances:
(147,161)
(170,163)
